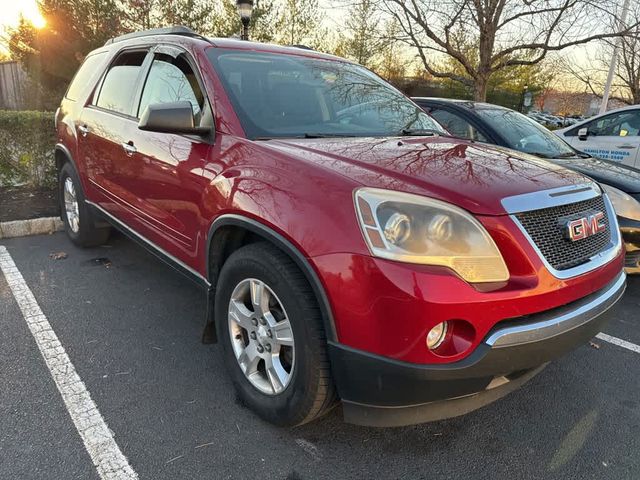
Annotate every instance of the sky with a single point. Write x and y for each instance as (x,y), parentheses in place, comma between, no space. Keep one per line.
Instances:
(11,10)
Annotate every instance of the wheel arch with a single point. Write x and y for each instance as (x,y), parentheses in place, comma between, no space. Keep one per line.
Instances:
(231,231)
(63,155)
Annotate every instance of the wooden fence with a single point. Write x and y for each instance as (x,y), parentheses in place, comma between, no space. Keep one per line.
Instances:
(13,83)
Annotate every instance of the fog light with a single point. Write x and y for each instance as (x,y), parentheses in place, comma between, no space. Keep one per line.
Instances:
(436,336)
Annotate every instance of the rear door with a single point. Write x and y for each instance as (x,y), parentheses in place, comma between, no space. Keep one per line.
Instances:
(104,128)
(614,137)
(169,182)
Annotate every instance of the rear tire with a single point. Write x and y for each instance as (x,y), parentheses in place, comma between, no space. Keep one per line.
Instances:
(79,223)
(301,388)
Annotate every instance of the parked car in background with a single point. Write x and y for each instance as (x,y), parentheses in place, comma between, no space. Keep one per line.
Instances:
(501,126)
(546,119)
(614,136)
(348,246)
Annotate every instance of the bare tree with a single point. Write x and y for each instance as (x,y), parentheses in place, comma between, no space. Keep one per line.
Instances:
(628,74)
(503,33)
(626,83)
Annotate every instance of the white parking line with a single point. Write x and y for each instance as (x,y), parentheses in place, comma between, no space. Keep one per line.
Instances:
(619,342)
(97,438)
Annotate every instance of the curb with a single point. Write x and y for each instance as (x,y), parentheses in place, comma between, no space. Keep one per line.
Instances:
(35,226)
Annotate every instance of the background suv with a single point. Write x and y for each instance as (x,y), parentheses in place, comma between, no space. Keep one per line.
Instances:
(349,248)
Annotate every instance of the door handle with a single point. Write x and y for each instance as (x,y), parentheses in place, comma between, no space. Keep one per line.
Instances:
(84,130)
(627,146)
(129,148)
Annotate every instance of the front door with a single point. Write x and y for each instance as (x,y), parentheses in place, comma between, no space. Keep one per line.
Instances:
(170,182)
(614,137)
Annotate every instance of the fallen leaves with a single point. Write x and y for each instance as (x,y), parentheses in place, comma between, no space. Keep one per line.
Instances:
(58,255)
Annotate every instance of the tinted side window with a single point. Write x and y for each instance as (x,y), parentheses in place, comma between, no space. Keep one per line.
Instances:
(88,71)
(172,80)
(118,86)
(457,125)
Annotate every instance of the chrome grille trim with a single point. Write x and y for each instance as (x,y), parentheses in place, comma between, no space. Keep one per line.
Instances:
(553,197)
(611,250)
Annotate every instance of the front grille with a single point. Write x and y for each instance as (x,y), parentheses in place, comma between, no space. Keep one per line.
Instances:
(546,227)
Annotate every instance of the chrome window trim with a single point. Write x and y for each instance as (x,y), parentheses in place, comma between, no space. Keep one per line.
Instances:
(561,320)
(575,194)
(554,197)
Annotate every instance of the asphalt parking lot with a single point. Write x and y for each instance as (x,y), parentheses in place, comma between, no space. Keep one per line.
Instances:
(131,327)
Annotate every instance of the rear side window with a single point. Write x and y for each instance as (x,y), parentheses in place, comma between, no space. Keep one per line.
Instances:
(172,80)
(118,86)
(88,71)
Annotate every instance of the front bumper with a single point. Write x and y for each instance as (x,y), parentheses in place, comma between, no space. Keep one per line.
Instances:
(379,391)
(631,235)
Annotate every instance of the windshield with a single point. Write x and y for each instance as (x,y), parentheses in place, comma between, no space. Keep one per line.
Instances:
(524,134)
(295,96)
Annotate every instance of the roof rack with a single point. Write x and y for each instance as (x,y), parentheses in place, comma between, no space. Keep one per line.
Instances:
(303,47)
(177,30)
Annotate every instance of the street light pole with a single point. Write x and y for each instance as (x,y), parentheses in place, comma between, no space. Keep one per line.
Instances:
(523,98)
(245,9)
(614,58)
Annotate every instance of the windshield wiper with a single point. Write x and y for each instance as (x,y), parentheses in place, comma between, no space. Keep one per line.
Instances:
(307,135)
(539,154)
(567,155)
(326,135)
(419,132)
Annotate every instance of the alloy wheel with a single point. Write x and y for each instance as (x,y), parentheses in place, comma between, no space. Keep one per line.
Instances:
(71,205)
(261,336)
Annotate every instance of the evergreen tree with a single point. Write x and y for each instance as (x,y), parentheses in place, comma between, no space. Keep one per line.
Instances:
(298,22)
(52,55)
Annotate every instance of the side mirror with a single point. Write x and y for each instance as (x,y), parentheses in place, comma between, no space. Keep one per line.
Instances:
(583,133)
(175,117)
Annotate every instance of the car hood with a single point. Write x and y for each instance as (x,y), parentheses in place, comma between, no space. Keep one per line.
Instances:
(473,176)
(615,174)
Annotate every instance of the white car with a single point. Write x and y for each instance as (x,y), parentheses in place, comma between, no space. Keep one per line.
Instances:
(614,135)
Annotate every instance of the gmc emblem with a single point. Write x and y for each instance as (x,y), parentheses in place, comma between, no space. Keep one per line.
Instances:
(585,227)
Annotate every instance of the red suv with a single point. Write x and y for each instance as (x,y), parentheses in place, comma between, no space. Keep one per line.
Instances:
(350,249)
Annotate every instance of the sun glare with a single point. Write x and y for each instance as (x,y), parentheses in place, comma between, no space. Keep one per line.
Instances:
(12,10)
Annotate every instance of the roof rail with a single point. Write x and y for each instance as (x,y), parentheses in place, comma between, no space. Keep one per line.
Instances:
(177,30)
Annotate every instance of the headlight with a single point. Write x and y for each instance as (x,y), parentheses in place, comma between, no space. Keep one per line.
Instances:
(415,229)
(625,205)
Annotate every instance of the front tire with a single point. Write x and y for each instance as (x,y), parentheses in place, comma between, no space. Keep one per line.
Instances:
(76,216)
(273,340)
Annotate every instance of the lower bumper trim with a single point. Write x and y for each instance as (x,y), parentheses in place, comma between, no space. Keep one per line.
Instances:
(376,416)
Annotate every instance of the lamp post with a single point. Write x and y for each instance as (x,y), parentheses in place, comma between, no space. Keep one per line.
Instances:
(614,59)
(523,98)
(245,8)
